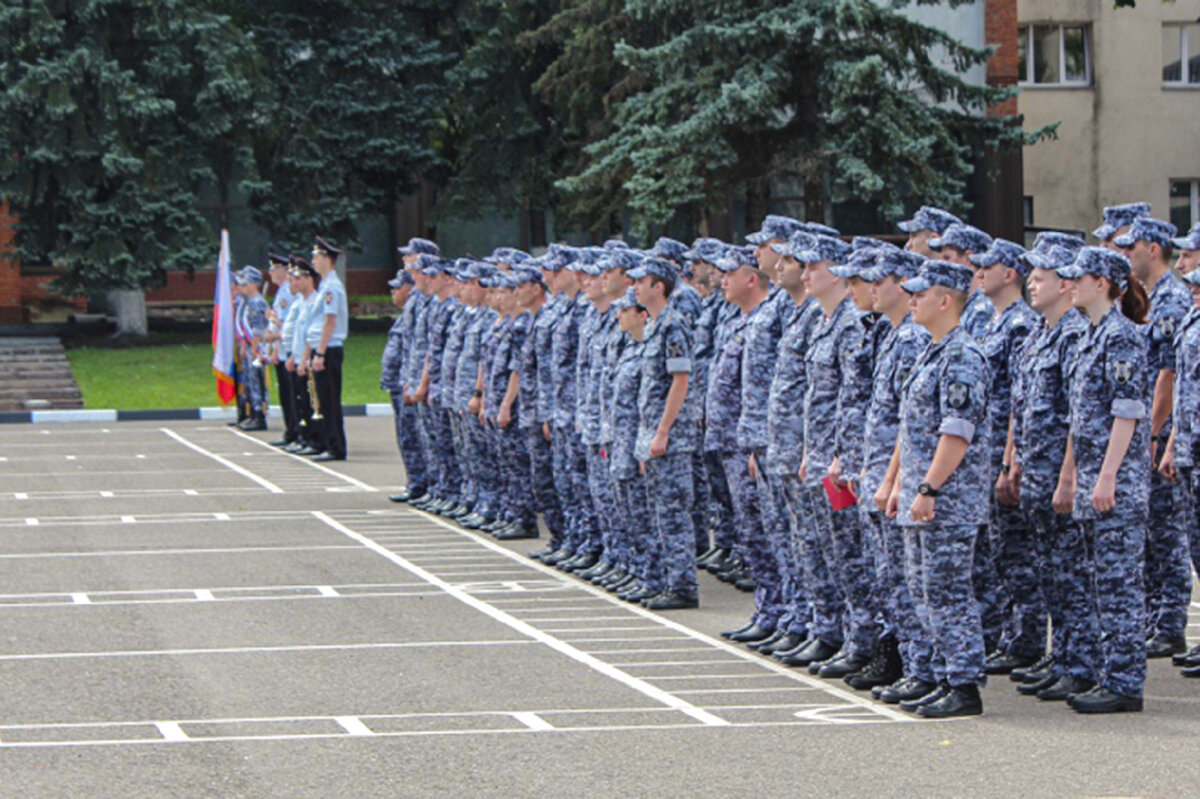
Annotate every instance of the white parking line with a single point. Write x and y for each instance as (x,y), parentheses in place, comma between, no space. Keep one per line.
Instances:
(558,645)
(267,484)
(114,553)
(352,481)
(255,650)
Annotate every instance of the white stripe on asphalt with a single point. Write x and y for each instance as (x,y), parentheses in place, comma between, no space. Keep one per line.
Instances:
(267,484)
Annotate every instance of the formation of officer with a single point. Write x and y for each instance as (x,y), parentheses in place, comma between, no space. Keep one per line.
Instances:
(930,463)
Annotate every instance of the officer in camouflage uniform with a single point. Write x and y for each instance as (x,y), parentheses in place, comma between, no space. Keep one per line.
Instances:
(409,300)
(1147,245)
(1117,219)
(254,316)
(938,489)
(464,311)
(957,244)
(1110,490)
(667,435)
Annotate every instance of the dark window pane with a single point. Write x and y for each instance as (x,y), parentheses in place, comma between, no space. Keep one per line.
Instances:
(1023,55)
(1193,53)
(1181,204)
(1170,53)
(1075,51)
(1045,54)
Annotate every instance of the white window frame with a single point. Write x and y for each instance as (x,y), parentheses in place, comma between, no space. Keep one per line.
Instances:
(1026,31)
(1184,51)
(1193,197)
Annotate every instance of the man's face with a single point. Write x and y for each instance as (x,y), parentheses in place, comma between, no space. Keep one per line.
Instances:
(791,274)
(1141,255)
(1045,287)
(631,319)
(400,295)
(278,275)
(766,257)
(643,289)
(322,262)
(410,259)
(955,256)
(888,296)
(992,279)
(734,284)
(927,305)
(1187,261)
(1196,296)
(615,283)
(918,242)
(818,280)
(861,292)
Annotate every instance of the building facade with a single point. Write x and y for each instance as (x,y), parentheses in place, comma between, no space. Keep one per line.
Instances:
(1124,85)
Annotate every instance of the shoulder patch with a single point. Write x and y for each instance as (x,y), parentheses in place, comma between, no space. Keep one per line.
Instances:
(1122,371)
(958,395)
(1166,326)
(328,297)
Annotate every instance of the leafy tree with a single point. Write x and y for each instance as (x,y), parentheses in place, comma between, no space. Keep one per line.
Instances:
(112,114)
(850,98)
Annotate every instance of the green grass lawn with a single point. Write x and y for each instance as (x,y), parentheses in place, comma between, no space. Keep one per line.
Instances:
(175,371)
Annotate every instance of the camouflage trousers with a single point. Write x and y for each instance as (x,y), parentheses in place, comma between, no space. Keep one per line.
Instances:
(464,459)
(752,540)
(1022,607)
(1065,567)
(1190,480)
(1118,543)
(669,496)
(483,464)
(1168,572)
(816,560)
(571,485)
(539,482)
(899,614)
(448,480)
(853,566)
(637,551)
(408,439)
(607,531)
(942,556)
(512,444)
(786,599)
(720,503)
(701,510)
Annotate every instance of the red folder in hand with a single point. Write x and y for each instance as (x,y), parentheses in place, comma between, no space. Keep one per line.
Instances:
(840,497)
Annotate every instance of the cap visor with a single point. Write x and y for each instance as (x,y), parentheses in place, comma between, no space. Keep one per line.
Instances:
(916,285)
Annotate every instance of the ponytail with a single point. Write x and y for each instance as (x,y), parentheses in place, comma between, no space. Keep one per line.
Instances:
(1134,302)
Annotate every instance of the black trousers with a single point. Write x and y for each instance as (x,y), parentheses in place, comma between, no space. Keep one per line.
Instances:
(329,391)
(287,401)
(308,428)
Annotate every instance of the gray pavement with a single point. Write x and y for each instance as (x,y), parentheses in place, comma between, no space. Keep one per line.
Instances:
(185,611)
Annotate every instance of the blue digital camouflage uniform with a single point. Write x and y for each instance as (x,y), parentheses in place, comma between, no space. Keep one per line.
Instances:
(667,351)
(781,463)
(710,336)
(619,550)
(640,554)
(536,403)
(441,436)
(1168,572)
(1011,605)
(836,562)
(607,531)
(894,359)
(256,324)
(978,314)
(945,394)
(463,455)
(1185,414)
(1041,417)
(392,374)
(480,448)
(570,462)
(504,358)
(1109,379)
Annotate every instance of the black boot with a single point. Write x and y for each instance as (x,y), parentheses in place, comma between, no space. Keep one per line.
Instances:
(960,700)
(884,669)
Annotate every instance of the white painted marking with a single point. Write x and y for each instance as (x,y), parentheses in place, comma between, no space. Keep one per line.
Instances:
(30,521)
(70,457)
(317,466)
(267,484)
(107,494)
(80,415)
(558,645)
(20,495)
(105,430)
(255,650)
(204,595)
(533,721)
(191,492)
(128,520)
(353,725)
(112,553)
(248,454)
(171,731)
(221,517)
(80,599)
(799,676)
(380,409)
(140,457)
(326,590)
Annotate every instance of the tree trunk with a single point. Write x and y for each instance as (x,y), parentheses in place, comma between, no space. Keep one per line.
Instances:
(758,195)
(128,307)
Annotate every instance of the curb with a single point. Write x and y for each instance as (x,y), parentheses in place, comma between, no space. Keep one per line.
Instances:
(212,413)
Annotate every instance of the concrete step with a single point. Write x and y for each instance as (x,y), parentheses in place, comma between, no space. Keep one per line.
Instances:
(36,375)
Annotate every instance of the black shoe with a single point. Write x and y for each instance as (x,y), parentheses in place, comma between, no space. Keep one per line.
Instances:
(1004,663)
(458,511)
(556,557)
(702,559)
(253,424)
(497,526)
(754,633)
(669,600)
(878,690)
(402,496)
(517,532)
(784,643)
(1033,675)
(815,651)
(1162,646)
(283,442)
(626,583)
(884,669)
(582,563)
(1062,688)
(960,700)
(1044,665)
(742,629)
(1190,671)
(637,592)
(612,578)
(325,457)
(309,451)
(760,644)
(716,562)
(1188,658)
(851,664)
(1102,700)
(1035,688)
(909,689)
(929,698)
(817,665)
(472,521)
(539,554)
(745,583)
(601,567)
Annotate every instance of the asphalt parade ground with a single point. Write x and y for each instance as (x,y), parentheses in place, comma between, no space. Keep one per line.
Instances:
(186,611)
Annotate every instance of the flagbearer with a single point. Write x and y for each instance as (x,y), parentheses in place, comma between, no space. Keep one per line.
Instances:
(327,330)
(248,283)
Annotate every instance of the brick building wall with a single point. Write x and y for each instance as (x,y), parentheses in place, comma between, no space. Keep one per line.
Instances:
(10,269)
(1000,30)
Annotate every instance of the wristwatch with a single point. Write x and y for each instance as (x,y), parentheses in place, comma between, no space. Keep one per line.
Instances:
(926,490)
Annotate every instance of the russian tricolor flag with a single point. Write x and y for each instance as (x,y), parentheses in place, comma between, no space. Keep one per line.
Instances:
(222,329)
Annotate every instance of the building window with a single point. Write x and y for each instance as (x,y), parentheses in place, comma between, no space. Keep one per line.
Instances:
(1055,55)
(1027,210)
(1181,55)
(1185,204)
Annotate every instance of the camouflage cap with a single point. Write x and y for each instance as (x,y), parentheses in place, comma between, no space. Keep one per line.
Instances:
(963,237)
(418,247)
(1191,241)
(940,273)
(1100,262)
(929,218)
(657,267)
(1119,216)
(824,248)
(1005,252)
(774,227)
(1145,228)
